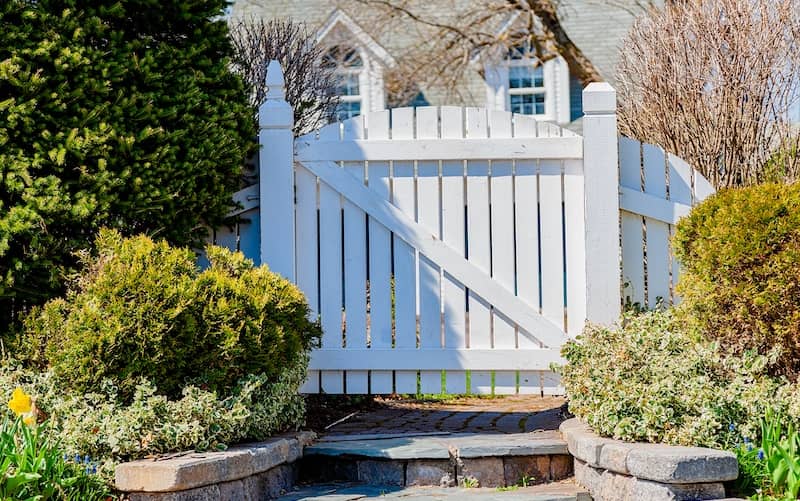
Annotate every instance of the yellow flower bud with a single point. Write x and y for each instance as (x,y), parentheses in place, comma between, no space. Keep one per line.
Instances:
(29,420)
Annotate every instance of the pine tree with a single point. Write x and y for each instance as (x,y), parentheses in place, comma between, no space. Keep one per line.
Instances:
(121,114)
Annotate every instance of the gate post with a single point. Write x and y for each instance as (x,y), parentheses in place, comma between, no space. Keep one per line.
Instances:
(276,176)
(601,203)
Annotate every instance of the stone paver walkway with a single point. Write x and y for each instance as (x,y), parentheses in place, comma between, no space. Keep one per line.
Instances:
(561,491)
(513,414)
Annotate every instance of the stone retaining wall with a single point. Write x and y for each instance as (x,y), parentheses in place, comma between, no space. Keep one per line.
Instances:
(260,471)
(620,471)
(483,471)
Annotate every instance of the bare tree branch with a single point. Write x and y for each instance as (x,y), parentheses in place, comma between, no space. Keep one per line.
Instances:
(453,43)
(310,86)
(713,81)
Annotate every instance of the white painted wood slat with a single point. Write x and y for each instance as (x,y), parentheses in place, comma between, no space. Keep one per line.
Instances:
(442,359)
(657,232)
(574,231)
(355,263)
(453,227)
(429,218)
(380,245)
(441,149)
(502,233)
(630,162)
(405,265)
(552,240)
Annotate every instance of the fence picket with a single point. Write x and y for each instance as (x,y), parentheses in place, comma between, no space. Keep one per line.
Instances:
(656,232)
(680,191)
(630,175)
(355,264)
(380,244)
(502,243)
(453,292)
(428,215)
(526,222)
(574,229)
(306,245)
(551,241)
(405,278)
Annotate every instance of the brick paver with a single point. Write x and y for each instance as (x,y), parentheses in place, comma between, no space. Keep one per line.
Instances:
(515,414)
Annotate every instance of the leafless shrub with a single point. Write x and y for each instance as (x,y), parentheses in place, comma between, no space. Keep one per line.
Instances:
(310,86)
(712,81)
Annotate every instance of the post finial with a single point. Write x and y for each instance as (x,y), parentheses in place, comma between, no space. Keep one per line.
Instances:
(274,81)
(599,98)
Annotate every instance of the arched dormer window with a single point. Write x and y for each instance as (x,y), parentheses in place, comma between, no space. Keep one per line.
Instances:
(349,68)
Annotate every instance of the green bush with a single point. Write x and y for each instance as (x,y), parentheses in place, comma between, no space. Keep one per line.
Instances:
(120,114)
(740,252)
(108,430)
(143,310)
(652,381)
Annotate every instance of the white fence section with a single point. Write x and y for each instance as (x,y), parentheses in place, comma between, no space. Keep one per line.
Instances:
(656,189)
(455,250)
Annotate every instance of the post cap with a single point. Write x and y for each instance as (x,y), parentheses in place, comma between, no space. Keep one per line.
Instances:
(274,81)
(599,98)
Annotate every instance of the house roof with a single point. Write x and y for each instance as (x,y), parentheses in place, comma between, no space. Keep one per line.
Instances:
(597,27)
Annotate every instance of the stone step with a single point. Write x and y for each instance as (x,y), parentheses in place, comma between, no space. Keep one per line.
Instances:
(562,491)
(488,460)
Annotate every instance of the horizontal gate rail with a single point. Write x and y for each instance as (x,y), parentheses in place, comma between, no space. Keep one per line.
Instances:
(554,148)
(432,359)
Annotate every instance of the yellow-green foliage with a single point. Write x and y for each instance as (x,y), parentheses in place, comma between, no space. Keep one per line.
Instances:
(108,430)
(652,381)
(142,309)
(740,252)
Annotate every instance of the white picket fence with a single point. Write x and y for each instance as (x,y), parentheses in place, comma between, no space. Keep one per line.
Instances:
(656,189)
(455,250)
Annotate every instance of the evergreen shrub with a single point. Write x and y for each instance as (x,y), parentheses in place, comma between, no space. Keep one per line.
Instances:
(143,310)
(740,282)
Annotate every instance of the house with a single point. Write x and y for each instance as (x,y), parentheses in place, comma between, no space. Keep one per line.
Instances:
(364,52)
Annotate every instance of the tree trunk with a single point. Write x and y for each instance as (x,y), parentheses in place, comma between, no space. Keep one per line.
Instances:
(579,65)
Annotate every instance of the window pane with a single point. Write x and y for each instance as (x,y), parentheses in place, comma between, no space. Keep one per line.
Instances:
(528,104)
(342,57)
(525,77)
(348,109)
(347,85)
(520,77)
(538,76)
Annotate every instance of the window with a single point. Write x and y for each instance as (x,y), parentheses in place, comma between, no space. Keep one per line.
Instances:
(349,68)
(526,90)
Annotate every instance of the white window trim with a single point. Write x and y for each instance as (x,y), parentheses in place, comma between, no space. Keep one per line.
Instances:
(361,97)
(374,58)
(556,89)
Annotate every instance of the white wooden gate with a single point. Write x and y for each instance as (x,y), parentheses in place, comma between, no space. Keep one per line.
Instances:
(443,249)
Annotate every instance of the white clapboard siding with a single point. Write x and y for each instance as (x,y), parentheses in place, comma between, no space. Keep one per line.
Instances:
(656,190)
